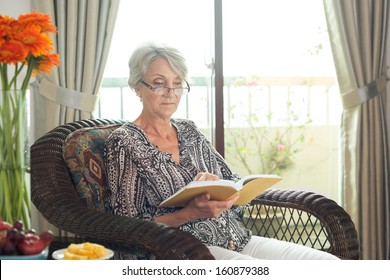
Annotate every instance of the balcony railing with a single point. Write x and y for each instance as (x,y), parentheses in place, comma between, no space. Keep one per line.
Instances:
(316,98)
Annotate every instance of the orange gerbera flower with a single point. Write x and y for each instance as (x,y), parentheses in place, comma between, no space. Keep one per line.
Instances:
(43,21)
(6,22)
(36,42)
(45,63)
(12,52)
(5,28)
(26,42)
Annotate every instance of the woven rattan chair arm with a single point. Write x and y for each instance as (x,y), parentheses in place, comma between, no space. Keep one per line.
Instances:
(340,228)
(53,194)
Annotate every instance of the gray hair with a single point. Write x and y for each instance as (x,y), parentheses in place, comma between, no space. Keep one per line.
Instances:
(146,54)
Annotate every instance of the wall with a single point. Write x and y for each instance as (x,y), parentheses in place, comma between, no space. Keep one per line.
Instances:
(15,8)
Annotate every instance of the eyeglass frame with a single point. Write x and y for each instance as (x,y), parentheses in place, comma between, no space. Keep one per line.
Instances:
(169,89)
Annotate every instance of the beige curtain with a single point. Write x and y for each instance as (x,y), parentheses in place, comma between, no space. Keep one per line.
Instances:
(70,93)
(358,31)
(85,29)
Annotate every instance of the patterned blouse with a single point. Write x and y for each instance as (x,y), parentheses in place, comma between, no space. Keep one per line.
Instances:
(140,177)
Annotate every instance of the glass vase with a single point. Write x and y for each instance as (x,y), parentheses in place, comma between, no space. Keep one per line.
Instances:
(14,157)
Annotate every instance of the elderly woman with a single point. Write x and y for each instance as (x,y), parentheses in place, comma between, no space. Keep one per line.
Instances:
(154,156)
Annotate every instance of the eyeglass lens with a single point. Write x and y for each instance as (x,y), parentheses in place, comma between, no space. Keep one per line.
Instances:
(165,90)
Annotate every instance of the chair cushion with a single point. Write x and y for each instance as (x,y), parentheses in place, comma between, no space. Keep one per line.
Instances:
(83,154)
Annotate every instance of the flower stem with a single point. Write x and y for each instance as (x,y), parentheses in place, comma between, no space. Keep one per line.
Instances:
(14,194)
(31,66)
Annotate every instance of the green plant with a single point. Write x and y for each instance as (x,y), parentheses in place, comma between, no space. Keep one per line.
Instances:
(271,148)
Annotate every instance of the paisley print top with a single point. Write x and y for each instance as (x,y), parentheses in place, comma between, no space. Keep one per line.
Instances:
(140,177)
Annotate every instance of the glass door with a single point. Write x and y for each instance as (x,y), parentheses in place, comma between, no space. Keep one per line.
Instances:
(281,100)
(186,25)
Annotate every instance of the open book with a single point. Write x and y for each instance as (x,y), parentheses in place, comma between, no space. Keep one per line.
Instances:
(249,187)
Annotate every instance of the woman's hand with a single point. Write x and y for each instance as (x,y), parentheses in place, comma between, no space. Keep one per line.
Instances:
(205,176)
(202,207)
(198,207)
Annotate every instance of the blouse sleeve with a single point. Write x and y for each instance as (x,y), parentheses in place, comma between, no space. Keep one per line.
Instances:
(127,197)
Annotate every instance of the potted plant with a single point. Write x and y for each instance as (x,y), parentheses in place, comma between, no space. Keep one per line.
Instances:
(25,51)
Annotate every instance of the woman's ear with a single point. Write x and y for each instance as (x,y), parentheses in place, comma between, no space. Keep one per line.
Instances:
(138,93)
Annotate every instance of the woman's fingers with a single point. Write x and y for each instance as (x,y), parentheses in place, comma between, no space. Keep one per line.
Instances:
(205,176)
(206,208)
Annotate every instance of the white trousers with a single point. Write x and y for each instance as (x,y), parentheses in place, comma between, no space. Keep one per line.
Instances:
(271,249)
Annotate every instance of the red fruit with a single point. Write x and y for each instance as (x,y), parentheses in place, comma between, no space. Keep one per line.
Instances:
(5,225)
(32,231)
(31,245)
(20,235)
(18,225)
(47,237)
(11,235)
(4,228)
(7,247)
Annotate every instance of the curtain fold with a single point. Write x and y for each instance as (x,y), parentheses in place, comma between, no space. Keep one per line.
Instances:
(71,92)
(60,96)
(358,31)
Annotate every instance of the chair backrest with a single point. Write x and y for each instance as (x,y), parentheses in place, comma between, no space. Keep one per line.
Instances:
(83,154)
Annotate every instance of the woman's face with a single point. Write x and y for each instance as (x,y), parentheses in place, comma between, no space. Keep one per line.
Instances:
(159,106)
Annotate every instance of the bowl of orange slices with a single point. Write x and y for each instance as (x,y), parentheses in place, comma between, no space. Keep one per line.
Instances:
(83,251)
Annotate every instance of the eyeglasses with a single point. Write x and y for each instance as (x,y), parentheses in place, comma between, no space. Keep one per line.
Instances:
(161,90)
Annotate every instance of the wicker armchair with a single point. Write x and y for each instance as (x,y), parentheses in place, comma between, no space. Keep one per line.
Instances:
(297,216)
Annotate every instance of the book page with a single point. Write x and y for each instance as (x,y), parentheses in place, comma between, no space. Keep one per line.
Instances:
(255,187)
(218,190)
(249,178)
(195,184)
